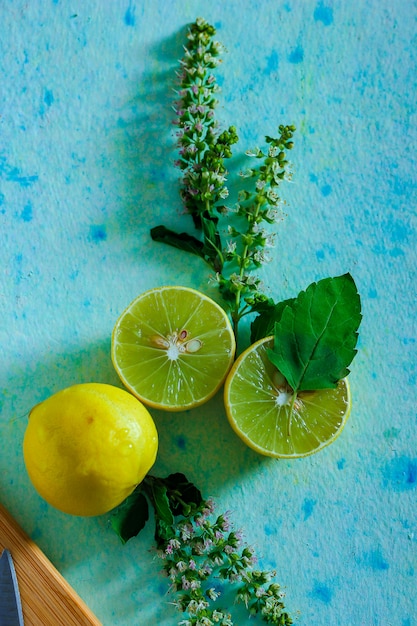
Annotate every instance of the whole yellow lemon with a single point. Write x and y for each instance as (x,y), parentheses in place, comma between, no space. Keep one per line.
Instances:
(87,447)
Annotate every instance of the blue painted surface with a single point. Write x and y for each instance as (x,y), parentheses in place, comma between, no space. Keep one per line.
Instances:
(322,592)
(86,170)
(323,14)
(308,507)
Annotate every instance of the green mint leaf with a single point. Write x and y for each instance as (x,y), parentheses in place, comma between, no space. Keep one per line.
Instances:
(209,249)
(182,241)
(131,516)
(161,502)
(164,519)
(316,335)
(269,314)
(184,497)
(163,532)
(212,247)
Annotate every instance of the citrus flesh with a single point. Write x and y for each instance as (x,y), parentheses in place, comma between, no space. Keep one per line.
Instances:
(173,347)
(260,408)
(88,446)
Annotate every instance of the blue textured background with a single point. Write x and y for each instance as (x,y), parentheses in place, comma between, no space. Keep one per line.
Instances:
(86,170)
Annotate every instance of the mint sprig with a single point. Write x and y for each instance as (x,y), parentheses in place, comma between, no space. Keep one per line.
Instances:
(234,253)
(200,552)
(315,334)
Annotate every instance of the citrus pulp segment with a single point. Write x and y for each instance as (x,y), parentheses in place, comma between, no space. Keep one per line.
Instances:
(173,347)
(88,446)
(259,407)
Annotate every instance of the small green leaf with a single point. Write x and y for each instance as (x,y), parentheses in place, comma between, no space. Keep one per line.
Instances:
(164,519)
(163,532)
(212,247)
(209,249)
(182,241)
(131,516)
(184,497)
(316,335)
(269,313)
(161,502)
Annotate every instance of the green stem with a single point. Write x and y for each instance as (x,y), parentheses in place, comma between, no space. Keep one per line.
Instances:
(236,314)
(235,323)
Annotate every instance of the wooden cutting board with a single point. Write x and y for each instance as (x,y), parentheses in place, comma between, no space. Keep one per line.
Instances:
(47,598)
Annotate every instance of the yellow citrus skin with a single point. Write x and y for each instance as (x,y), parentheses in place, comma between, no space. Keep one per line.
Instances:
(88,446)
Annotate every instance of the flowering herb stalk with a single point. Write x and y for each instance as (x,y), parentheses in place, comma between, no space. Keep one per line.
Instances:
(203,151)
(202,147)
(247,248)
(200,553)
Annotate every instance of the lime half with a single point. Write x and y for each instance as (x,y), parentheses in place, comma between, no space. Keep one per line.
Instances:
(173,347)
(263,412)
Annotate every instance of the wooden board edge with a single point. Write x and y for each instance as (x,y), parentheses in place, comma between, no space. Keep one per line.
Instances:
(20,537)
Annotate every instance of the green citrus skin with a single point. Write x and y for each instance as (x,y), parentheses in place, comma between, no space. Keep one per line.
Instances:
(173,347)
(263,412)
